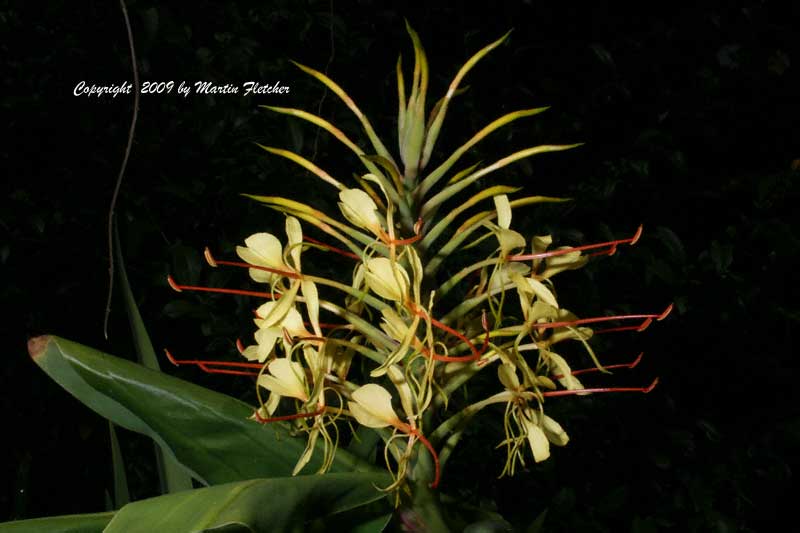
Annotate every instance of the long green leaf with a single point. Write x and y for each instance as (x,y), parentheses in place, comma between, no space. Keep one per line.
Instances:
(455,188)
(207,432)
(338,91)
(440,226)
(79,523)
(121,494)
(305,163)
(172,476)
(278,504)
(339,134)
(437,174)
(433,131)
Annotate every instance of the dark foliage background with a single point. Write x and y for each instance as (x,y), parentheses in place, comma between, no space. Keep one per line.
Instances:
(690,118)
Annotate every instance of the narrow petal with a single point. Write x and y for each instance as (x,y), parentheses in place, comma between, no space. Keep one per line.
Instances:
(295,234)
(503,211)
(540,446)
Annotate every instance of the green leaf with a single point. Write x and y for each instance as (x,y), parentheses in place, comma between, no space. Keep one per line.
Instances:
(305,163)
(172,476)
(442,169)
(121,495)
(452,190)
(537,526)
(79,523)
(279,504)
(433,130)
(316,218)
(339,134)
(440,226)
(207,432)
(338,91)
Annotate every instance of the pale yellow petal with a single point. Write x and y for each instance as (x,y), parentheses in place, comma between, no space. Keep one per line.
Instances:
(263,249)
(503,207)
(388,280)
(508,376)
(554,432)
(542,292)
(372,407)
(359,209)
(295,234)
(540,446)
(286,378)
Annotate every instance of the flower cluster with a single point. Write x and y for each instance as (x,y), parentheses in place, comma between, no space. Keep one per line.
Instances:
(398,339)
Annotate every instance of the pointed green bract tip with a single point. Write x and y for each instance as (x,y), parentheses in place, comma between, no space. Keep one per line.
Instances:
(38,345)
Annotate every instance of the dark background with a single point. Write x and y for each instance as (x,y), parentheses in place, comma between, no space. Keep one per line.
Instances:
(690,119)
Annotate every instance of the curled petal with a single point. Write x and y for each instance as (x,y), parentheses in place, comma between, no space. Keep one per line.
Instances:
(559,366)
(372,407)
(509,240)
(554,432)
(265,343)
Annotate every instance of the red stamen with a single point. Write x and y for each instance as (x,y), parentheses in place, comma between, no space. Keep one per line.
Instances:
(632,364)
(435,457)
(330,248)
(213,262)
(573,392)
(263,420)
(444,327)
(180,288)
(410,240)
(418,226)
(611,244)
(648,319)
(207,366)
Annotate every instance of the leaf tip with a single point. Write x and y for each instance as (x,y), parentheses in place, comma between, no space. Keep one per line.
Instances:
(37,346)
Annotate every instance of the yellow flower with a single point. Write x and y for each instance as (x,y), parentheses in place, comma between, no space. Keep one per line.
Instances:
(271,327)
(285,378)
(264,250)
(372,407)
(387,279)
(537,440)
(360,210)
